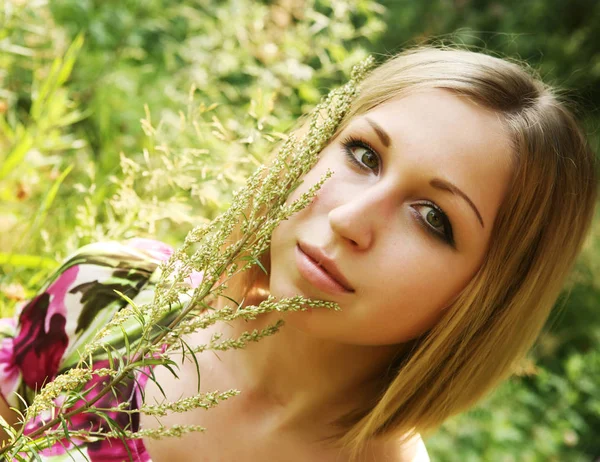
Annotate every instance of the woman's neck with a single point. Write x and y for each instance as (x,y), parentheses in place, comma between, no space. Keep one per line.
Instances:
(303,382)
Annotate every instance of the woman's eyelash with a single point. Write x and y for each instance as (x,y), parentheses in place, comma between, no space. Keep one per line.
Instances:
(447,234)
(351,142)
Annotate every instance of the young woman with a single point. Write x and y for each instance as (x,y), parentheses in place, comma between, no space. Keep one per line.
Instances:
(462,190)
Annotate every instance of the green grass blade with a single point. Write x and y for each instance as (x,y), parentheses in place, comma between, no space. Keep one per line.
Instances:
(16,156)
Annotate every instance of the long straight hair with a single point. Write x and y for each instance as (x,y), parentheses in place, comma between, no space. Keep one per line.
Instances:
(537,234)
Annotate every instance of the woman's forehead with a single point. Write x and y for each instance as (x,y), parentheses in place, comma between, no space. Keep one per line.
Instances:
(435,117)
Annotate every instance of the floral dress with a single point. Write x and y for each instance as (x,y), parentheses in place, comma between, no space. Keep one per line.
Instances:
(47,334)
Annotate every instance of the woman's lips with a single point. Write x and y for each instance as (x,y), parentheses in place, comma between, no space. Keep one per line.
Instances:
(320,271)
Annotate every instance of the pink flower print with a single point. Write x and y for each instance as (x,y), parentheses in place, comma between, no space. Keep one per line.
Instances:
(9,372)
(115,449)
(195,278)
(108,449)
(42,340)
(156,249)
(161,251)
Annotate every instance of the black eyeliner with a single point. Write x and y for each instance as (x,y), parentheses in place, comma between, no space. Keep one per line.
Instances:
(352,142)
(447,236)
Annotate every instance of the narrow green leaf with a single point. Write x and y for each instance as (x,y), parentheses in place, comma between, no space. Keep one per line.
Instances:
(16,156)
(171,370)
(238,304)
(152,377)
(6,129)
(126,340)
(45,206)
(69,59)
(126,298)
(108,348)
(65,427)
(256,261)
(48,85)
(51,195)
(116,428)
(185,345)
(72,118)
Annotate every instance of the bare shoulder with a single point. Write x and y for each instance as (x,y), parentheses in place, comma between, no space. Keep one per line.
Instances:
(417,452)
(412,450)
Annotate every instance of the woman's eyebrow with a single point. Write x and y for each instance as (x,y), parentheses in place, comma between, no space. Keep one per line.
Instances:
(383,136)
(446,186)
(437,183)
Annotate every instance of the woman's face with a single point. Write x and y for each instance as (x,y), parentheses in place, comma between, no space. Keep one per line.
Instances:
(402,225)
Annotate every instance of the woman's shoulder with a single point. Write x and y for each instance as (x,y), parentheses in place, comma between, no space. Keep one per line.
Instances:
(411,450)
(417,450)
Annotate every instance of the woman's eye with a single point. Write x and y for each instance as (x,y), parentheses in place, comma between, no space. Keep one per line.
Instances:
(361,154)
(436,221)
(367,157)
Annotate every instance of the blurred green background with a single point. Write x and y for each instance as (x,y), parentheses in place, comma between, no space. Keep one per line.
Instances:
(140,117)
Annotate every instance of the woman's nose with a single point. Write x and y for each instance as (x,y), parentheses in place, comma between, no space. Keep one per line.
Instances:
(359,218)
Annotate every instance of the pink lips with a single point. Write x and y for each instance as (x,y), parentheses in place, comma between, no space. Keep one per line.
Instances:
(320,270)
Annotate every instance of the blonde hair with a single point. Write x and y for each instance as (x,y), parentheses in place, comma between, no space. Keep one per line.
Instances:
(537,235)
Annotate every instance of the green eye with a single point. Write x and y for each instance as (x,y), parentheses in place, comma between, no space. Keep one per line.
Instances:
(370,159)
(362,155)
(435,219)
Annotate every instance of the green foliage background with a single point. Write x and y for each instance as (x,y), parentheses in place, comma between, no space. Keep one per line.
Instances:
(140,117)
